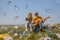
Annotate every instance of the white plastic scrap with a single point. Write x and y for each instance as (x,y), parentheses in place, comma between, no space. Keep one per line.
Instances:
(58,35)
(47,38)
(21,36)
(10,32)
(59,28)
(16,26)
(8,38)
(15,34)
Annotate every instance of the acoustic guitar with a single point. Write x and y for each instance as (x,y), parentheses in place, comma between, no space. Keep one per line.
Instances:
(37,21)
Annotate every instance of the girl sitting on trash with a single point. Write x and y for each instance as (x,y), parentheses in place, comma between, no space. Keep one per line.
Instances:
(28,23)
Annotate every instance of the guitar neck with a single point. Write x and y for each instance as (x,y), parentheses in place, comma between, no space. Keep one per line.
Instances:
(44,19)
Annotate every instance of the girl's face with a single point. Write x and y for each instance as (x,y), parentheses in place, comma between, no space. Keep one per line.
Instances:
(30,15)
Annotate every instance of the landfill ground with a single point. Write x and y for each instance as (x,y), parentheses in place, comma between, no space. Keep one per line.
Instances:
(17,33)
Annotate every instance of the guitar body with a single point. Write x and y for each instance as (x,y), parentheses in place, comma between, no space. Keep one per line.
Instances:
(37,22)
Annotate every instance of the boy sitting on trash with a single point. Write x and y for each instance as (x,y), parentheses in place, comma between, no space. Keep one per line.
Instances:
(37,21)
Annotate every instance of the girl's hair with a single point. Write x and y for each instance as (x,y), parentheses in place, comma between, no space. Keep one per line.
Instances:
(29,14)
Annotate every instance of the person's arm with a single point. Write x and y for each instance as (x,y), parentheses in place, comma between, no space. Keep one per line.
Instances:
(26,19)
(41,19)
(34,20)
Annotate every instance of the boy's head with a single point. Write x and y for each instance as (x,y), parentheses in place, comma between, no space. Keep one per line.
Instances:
(36,14)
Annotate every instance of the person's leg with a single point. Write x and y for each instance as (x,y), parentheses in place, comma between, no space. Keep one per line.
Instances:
(40,26)
(25,32)
(30,26)
(26,25)
(34,29)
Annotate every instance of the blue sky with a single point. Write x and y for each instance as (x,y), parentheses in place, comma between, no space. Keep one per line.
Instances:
(8,11)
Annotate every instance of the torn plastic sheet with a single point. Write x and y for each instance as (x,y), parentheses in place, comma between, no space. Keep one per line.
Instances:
(58,35)
(26,6)
(4,14)
(49,10)
(16,17)
(17,8)
(9,2)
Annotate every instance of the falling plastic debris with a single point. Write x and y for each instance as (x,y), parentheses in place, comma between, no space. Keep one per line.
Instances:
(26,6)
(16,17)
(4,14)
(9,2)
(57,17)
(49,10)
(17,8)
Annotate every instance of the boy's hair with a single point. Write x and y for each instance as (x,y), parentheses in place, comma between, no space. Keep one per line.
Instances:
(36,13)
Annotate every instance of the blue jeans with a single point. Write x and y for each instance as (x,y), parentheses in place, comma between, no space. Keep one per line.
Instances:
(28,25)
(39,26)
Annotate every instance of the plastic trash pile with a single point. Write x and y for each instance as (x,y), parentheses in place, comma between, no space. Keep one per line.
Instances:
(19,33)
